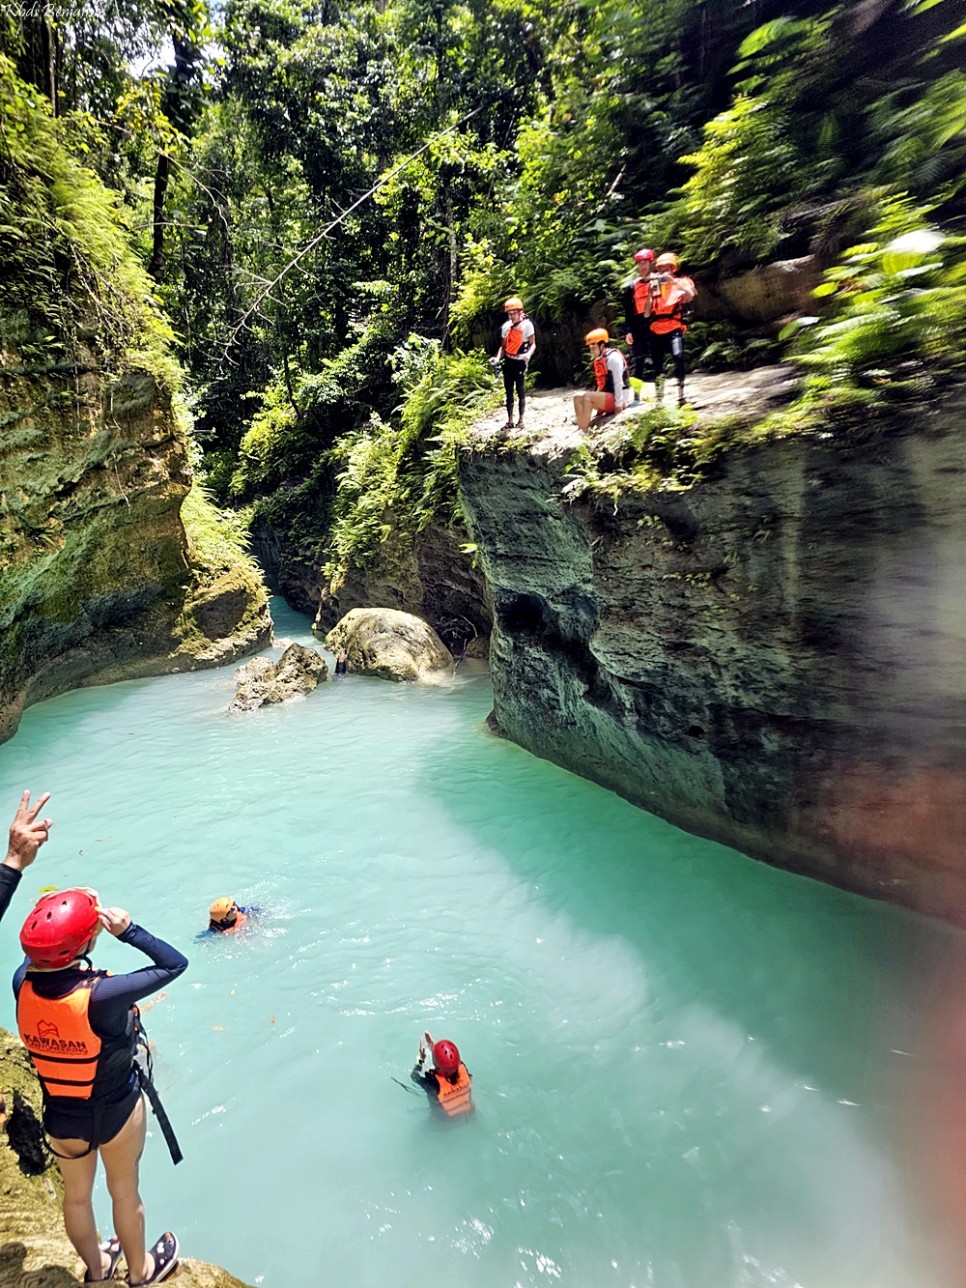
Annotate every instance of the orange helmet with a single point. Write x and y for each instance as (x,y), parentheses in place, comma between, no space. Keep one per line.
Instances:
(599,335)
(223,912)
(668,260)
(514,302)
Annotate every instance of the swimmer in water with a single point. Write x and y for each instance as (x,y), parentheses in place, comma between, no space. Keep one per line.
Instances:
(448,1082)
(225,915)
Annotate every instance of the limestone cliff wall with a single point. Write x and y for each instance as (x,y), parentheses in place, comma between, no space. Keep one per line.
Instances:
(98,580)
(775,658)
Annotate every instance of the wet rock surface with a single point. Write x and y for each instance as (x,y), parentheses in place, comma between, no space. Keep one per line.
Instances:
(390,644)
(297,673)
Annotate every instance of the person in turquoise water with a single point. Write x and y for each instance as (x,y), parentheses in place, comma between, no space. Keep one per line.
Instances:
(226,915)
(80,1028)
(28,832)
(448,1082)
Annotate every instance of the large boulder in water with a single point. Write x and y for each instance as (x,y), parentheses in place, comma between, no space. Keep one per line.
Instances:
(390,644)
(297,673)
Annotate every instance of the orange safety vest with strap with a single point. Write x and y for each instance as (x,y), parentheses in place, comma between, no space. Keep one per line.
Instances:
(604,377)
(642,293)
(71,1060)
(454,1097)
(514,342)
(667,309)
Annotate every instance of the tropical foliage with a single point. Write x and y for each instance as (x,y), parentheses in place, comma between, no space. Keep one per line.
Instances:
(332,201)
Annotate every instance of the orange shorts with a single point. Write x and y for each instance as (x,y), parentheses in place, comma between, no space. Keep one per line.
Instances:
(609,403)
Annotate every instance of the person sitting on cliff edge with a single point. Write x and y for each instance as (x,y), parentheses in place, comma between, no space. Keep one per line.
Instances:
(610,376)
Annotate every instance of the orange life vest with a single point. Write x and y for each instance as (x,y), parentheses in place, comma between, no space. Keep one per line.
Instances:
(237,924)
(642,293)
(667,309)
(602,375)
(70,1059)
(454,1097)
(514,341)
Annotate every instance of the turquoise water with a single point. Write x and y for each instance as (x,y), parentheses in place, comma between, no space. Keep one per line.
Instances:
(688,1067)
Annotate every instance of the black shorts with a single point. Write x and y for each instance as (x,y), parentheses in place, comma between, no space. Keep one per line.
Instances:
(71,1124)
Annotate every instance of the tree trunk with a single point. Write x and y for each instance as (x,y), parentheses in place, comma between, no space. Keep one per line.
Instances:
(161,176)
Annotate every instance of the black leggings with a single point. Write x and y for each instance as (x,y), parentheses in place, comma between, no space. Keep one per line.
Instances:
(514,374)
(670,343)
(640,363)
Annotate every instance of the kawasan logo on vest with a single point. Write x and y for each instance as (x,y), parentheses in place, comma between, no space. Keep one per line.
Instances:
(47,1038)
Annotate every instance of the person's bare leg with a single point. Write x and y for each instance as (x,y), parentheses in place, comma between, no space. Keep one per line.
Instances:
(78,1174)
(582,409)
(121,1157)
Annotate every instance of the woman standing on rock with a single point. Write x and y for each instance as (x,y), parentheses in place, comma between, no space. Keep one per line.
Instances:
(517,346)
(79,1026)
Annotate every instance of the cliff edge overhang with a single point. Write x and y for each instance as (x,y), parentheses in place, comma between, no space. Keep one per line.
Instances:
(773,656)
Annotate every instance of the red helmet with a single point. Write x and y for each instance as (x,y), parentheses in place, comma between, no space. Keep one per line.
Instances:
(59,927)
(446,1058)
(644,253)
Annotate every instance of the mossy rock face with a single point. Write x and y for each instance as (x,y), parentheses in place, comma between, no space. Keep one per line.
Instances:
(773,656)
(34,1250)
(97,579)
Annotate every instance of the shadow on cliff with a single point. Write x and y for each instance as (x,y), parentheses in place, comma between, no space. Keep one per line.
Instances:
(13,1257)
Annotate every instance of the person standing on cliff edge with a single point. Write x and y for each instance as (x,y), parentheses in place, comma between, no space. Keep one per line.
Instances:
(637,312)
(81,1029)
(666,321)
(517,346)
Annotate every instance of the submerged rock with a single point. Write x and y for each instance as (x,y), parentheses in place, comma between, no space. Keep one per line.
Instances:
(298,672)
(33,1246)
(390,644)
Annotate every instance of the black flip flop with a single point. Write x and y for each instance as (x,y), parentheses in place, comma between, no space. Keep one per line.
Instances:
(112,1247)
(165,1254)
